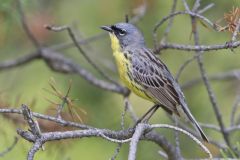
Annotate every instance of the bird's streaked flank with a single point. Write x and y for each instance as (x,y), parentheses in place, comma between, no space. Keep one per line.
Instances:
(146,75)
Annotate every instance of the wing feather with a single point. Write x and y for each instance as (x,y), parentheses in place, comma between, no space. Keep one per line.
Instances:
(153,75)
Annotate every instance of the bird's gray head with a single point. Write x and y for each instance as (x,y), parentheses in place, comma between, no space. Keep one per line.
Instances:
(126,34)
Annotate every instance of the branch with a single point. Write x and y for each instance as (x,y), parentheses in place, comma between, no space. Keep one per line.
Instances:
(8,64)
(157,25)
(25,26)
(140,128)
(224,76)
(207,84)
(183,47)
(59,63)
(74,39)
(10,148)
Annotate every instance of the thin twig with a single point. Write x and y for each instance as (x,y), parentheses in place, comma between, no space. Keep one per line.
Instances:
(207,84)
(196,5)
(206,8)
(183,66)
(119,146)
(167,30)
(49,118)
(36,146)
(74,39)
(35,130)
(158,24)
(130,109)
(25,26)
(234,110)
(186,5)
(183,47)
(176,135)
(205,149)
(8,64)
(10,148)
(236,32)
(135,139)
(224,76)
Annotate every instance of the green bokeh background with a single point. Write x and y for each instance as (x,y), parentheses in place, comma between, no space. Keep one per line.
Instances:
(104,108)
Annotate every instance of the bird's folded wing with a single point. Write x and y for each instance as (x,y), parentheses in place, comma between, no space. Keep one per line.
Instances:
(152,76)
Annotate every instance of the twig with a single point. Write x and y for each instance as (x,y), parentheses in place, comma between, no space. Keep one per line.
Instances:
(8,64)
(185,5)
(117,150)
(130,109)
(196,6)
(10,148)
(135,139)
(224,76)
(37,145)
(183,47)
(183,66)
(158,24)
(49,118)
(207,84)
(176,135)
(205,149)
(67,45)
(35,130)
(234,110)
(74,39)
(237,30)
(164,155)
(209,6)
(167,30)
(58,62)
(25,26)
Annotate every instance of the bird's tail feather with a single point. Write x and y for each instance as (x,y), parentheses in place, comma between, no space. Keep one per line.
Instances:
(194,123)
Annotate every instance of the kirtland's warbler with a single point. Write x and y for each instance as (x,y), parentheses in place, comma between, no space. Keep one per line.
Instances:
(146,75)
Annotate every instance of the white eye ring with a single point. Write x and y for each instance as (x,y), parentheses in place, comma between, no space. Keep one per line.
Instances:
(122,32)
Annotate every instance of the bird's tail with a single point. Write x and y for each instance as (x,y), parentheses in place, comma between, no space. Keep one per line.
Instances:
(194,123)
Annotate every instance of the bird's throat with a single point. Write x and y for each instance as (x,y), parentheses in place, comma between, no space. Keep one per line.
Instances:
(116,47)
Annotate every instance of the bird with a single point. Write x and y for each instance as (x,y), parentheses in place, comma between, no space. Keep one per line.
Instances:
(146,75)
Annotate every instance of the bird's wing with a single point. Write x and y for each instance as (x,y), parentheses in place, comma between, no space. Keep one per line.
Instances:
(154,76)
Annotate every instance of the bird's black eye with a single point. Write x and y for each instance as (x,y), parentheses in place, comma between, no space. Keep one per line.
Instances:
(122,32)
(118,31)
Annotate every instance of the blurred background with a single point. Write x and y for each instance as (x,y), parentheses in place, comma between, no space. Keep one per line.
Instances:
(25,84)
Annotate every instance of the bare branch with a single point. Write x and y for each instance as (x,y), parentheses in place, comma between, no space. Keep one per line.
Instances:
(207,84)
(167,30)
(234,110)
(135,139)
(205,149)
(157,25)
(37,145)
(182,47)
(25,26)
(206,8)
(74,39)
(224,76)
(129,108)
(10,148)
(237,31)
(31,123)
(49,118)
(8,64)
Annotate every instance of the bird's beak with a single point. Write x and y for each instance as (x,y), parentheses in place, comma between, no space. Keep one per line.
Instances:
(107,28)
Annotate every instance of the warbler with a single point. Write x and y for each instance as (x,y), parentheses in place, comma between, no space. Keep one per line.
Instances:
(146,75)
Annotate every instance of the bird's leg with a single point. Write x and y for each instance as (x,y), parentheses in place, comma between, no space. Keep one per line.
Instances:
(147,117)
(150,112)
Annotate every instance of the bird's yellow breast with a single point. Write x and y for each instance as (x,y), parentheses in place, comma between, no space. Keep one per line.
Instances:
(124,69)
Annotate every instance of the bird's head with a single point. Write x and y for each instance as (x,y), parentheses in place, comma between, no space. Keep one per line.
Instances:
(123,35)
